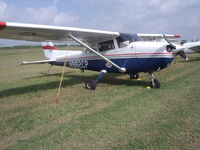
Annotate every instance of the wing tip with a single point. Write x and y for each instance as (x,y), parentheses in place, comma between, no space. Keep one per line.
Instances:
(2,25)
(177,36)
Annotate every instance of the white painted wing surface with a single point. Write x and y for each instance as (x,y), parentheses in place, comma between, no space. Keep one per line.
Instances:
(194,46)
(35,32)
(150,37)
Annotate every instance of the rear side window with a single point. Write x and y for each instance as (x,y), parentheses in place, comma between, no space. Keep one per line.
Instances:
(108,45)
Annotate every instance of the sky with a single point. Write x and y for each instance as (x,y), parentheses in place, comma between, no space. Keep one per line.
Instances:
(130,16)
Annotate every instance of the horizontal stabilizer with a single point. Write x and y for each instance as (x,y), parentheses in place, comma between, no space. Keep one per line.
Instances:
(38,62)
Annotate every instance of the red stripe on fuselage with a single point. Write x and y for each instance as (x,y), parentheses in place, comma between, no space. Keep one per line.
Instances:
(140,54)
(2,25)
(49,47)
(89,57)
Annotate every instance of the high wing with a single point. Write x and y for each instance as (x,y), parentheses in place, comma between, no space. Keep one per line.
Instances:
(33,32)
(153,37)
(194,46)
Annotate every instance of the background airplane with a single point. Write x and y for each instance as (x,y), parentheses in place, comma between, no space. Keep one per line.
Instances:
(105,51)
(190,47)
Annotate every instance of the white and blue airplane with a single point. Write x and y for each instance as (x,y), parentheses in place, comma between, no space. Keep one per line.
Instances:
(105,51)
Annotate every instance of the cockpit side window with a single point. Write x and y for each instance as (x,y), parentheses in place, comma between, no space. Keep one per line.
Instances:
(108,45)
(122,41)
(125,39)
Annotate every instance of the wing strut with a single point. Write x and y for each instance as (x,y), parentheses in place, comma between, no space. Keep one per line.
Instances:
(98,54)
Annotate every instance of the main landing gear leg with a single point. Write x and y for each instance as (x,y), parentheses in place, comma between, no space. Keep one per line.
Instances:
(154,82)
(91,84)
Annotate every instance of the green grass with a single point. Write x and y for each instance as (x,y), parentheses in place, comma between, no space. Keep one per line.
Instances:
(119,114)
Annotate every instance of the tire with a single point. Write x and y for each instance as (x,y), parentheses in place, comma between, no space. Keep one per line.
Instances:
(90,85)
(134,76)
(156,84)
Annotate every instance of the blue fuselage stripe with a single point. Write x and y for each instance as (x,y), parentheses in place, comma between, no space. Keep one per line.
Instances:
(132,65)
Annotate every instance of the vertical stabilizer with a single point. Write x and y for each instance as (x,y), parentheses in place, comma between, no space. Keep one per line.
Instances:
(49,49)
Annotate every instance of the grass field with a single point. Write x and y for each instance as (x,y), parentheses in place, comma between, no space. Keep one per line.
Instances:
(120,114)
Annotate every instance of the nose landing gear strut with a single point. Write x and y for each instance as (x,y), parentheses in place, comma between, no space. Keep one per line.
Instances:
(154,82)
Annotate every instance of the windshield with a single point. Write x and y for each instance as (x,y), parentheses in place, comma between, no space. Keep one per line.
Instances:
(125,39)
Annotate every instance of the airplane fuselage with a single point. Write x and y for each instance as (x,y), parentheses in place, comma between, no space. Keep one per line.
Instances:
(136,57)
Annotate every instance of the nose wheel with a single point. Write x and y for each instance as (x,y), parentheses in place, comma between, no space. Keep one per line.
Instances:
(155,84)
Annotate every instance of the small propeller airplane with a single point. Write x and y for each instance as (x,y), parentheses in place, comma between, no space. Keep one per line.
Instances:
(105,51)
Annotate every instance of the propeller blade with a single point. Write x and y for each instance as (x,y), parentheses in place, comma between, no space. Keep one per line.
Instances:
(182,55)
(172,45)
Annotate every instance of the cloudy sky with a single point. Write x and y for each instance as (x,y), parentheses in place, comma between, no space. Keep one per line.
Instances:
(133,16)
